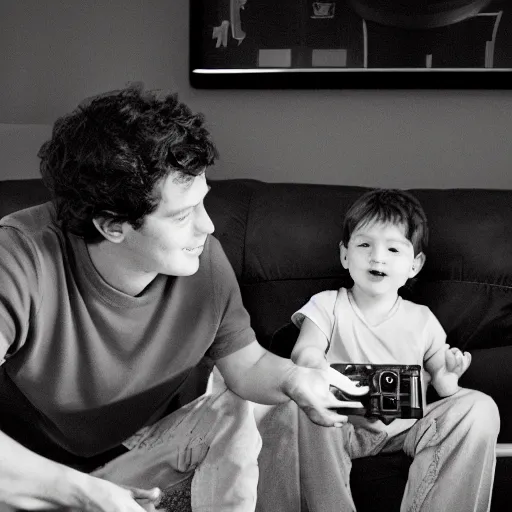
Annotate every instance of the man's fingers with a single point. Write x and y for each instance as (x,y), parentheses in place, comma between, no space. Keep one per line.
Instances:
(328,418)
(145,494)
(340,404)
(339,421)
(342,382)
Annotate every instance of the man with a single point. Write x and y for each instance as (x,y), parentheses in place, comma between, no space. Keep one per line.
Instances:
(109,297)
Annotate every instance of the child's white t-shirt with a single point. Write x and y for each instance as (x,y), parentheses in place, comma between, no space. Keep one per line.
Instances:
(410,334)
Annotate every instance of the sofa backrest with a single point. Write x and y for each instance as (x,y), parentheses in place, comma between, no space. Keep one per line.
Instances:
(282,240)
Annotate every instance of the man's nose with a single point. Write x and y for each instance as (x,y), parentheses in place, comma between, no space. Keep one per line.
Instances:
(204,223)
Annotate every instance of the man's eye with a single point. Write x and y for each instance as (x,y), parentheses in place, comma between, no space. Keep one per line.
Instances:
(183,217)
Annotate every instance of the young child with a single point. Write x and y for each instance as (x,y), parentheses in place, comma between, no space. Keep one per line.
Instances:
(385,235)
(383,245)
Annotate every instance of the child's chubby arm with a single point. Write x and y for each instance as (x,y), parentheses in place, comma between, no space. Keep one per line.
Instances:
(445,367)
(310,348)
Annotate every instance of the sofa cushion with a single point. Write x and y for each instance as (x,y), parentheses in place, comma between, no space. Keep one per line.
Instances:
(19,194)
(228,204)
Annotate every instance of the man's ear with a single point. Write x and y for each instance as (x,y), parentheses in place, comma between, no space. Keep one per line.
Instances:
(417,265)
(113,230)
(343,255)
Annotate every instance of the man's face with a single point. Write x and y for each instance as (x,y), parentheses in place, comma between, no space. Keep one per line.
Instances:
(379,258)
(172,237)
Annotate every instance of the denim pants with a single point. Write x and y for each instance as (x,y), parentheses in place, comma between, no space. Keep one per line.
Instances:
(214,438)
(453,447)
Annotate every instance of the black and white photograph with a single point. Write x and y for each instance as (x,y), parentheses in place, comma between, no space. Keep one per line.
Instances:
(255,256)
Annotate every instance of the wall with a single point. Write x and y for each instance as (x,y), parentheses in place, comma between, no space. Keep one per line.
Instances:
(53,54)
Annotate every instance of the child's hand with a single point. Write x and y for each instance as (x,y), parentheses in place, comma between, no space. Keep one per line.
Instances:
(456,361)
(445,367)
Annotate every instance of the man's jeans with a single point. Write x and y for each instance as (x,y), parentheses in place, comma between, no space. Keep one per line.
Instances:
(307,467)
(215,438)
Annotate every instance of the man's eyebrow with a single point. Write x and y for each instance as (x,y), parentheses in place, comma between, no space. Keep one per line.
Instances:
(175,213)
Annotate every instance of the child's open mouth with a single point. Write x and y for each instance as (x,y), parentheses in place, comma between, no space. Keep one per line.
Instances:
(376,273)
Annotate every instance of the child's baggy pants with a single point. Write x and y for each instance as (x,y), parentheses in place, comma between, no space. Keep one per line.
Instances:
(307,467)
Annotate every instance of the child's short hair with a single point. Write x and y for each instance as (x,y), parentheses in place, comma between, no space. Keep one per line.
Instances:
(389,205)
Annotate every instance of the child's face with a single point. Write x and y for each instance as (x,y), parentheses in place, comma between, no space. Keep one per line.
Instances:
(380,259)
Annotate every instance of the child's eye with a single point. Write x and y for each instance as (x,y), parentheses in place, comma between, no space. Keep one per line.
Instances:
(364,244)
(392,249)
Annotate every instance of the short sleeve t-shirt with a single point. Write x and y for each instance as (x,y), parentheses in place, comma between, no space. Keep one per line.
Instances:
(87,365)
(410,334)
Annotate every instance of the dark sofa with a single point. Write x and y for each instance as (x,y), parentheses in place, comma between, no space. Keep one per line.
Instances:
(282,242)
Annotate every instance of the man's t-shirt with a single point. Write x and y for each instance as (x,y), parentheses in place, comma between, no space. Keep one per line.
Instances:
(410,334)
(85,365)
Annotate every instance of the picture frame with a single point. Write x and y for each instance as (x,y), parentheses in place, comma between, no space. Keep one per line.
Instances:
(301,44)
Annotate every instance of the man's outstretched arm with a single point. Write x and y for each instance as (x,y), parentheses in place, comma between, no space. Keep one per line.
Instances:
(260,376)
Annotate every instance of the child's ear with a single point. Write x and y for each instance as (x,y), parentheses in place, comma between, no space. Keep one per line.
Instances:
(343,255)
(417,265)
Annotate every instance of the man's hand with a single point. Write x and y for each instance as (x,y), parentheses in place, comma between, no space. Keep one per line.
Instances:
(147,498)
(456,361)
(98,495)
(309,388)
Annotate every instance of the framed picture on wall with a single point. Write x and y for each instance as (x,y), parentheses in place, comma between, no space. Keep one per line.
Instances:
(372,44)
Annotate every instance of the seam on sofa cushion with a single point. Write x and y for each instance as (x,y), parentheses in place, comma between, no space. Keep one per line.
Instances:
(506,287)
(319,278)
(247,215)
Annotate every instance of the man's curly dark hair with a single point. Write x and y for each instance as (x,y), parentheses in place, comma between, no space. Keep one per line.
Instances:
(108,155)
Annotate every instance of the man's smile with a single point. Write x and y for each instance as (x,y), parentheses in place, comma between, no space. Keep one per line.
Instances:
(194,250)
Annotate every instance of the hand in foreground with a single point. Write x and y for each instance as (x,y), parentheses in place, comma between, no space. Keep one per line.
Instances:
(456,361)
(148,499)
(100,495)
(309,388)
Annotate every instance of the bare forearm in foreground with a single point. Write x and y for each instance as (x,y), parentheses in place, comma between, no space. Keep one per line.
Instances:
(31,482)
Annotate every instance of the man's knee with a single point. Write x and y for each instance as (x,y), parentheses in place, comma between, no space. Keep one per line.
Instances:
(242,420)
